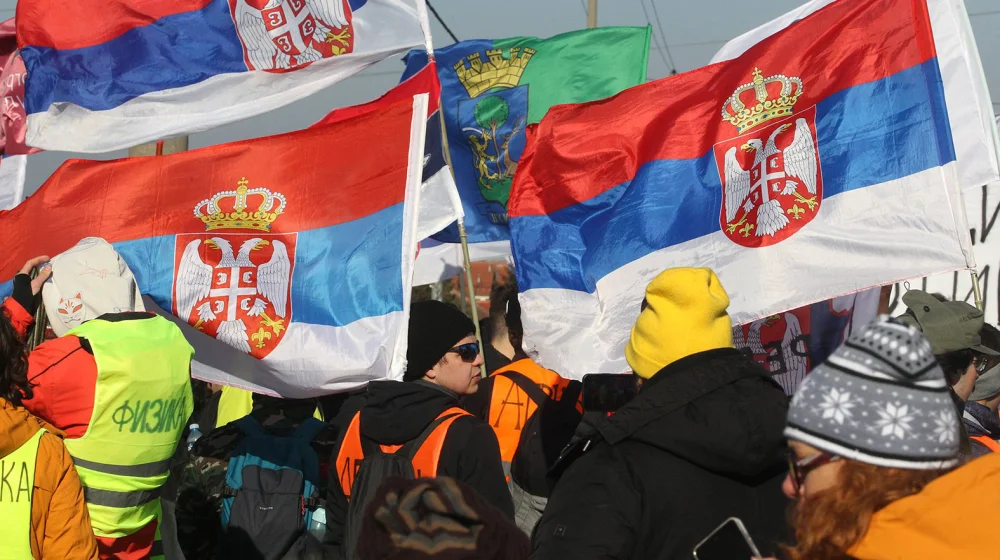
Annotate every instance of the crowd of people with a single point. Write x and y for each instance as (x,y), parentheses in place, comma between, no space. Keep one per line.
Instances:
(109,450)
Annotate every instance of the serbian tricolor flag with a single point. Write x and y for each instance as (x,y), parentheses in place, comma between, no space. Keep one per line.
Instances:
(817,163)
(440,205)
(286,259)
(110,74)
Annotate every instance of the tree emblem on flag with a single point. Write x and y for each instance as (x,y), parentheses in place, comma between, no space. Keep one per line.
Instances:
(492,122)
(233,282)
(771,180)
(281,35)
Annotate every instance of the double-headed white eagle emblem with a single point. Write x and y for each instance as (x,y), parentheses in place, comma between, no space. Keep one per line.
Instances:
(283,34)
(770,177)
(230,284)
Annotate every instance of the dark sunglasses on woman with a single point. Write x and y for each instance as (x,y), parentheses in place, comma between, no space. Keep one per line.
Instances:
(799,469)
(468,352)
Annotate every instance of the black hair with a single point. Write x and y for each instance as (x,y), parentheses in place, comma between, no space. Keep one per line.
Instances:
(955,364)
(502,297)
(14,385)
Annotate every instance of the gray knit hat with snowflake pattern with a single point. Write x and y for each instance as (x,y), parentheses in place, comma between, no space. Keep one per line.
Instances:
(881,398)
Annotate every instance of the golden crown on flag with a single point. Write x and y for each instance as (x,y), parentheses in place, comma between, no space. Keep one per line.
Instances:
(497,71)
(239,218)
(746,117)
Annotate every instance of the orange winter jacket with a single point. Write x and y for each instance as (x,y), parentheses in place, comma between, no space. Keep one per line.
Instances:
(60,525)
(953,517)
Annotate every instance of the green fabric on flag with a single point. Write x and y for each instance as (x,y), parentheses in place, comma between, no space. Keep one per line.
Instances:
(491,90)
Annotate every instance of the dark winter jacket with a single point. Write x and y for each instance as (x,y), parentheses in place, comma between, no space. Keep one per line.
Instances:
(396,413)
(980,421)
(701,442)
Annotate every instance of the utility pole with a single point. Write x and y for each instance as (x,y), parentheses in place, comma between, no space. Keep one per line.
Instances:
(591,14)
(161,148)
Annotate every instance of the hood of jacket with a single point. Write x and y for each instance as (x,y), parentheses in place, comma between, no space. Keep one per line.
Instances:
(17,426)
(717,409)
(953,517)
(980,420)
(396,412)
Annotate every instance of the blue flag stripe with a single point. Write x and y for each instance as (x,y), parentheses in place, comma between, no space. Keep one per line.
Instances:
(174,51)
(867,135)
(340,273)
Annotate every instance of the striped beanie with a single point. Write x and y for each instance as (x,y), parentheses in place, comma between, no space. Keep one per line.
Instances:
(881,399)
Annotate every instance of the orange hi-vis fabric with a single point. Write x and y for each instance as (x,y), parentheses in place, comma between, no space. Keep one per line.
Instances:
(425,460)
(989,442)
(510,408)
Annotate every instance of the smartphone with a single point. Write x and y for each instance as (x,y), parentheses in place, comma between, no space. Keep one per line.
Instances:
(728,541)
(607,392)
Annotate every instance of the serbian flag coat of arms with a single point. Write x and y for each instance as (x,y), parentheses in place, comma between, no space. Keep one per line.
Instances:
(817,163)
(109,74)
(285,259)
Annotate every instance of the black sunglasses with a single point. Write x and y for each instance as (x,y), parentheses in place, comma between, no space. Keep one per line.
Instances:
(984,362)
(798,470)
(468,352)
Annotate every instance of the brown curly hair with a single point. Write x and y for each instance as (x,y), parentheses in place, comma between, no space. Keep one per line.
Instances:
(829,523)
(14,385)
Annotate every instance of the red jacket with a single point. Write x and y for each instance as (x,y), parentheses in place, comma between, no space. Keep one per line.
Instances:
(63,375)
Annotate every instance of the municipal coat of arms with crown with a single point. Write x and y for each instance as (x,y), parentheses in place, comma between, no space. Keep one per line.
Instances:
(771,180)
(233,282)
(493,120)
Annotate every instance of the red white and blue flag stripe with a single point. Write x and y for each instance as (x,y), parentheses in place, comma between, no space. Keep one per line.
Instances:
(833,171)
(286,260)
(110,74)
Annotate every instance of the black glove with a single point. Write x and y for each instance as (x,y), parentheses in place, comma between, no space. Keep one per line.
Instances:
(22,294)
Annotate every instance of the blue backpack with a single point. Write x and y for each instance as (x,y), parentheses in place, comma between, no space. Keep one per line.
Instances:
(270,491)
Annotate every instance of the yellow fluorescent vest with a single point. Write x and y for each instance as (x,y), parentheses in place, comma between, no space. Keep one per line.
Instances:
(141,406)
(17,483)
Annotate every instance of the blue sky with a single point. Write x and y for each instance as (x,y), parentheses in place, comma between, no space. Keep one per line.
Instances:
(692,31)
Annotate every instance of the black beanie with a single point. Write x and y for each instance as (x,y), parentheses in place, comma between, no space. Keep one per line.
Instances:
(435,328)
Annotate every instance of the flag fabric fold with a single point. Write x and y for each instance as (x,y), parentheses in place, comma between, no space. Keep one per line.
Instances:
(970,109)
(492,89)
(112,74)
(818,163)
(287,259)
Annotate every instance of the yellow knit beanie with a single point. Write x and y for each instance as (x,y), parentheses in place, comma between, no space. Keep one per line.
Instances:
(686,314)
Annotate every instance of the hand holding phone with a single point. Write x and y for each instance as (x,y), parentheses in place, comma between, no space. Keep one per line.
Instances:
(728,541)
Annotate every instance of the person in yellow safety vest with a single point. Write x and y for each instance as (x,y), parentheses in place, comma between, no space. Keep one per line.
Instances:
(510,400)
(42,513)
(117,381)
(980,414)
(235,403)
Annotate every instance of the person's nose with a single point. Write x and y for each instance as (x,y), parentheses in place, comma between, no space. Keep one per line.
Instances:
(788,488)
(479,360)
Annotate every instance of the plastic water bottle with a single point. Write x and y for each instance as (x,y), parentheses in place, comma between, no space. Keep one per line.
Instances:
(318,525)
(193,436)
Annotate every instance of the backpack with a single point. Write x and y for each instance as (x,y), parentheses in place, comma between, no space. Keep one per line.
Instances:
(545,434)
(270,491)
(376,467)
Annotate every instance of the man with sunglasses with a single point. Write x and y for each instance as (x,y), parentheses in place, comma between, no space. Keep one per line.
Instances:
(954,329)
(443,361)
(980,416)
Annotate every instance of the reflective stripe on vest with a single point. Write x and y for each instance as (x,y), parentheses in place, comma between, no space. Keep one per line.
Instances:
(989,442)
(510,408)
(425,460)
(142,404)
(17,483)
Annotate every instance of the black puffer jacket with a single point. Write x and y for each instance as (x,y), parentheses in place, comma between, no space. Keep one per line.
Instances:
(701,442)
(396,413)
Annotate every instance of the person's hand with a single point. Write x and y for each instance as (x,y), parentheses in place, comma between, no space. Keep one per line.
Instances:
(26,288)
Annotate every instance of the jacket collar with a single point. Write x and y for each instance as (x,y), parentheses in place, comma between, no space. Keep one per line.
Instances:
(675,386)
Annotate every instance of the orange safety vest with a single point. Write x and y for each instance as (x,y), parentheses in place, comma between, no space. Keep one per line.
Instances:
(425,460)
(989,442)
(511,408)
